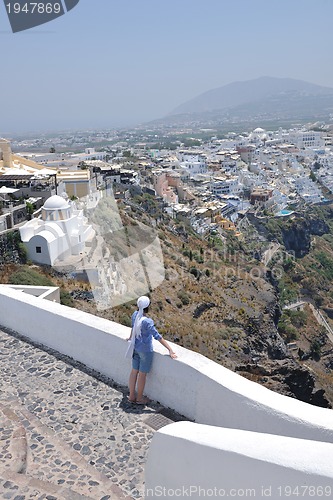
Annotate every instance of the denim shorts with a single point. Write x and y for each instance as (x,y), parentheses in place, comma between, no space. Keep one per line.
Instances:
(142,361)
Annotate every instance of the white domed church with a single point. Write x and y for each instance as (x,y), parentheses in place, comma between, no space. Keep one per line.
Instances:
(62,231)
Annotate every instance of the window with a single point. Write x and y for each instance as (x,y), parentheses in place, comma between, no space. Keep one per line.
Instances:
(38,249)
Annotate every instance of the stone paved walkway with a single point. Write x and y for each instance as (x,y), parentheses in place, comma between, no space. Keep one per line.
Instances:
(67,432)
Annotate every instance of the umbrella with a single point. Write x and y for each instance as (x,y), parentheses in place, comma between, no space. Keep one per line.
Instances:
(7,190)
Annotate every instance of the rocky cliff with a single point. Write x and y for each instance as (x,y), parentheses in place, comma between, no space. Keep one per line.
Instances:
(217,299)
(297,234)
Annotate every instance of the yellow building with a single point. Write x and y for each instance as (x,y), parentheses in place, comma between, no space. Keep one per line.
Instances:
(77,182)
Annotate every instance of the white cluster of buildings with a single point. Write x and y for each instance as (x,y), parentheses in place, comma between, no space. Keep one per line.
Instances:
(261,170)
(321,163)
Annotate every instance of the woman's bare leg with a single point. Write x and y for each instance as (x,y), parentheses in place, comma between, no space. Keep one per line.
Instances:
(141,385)
(132,383)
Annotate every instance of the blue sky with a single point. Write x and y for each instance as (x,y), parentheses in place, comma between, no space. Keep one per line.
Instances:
(121,62)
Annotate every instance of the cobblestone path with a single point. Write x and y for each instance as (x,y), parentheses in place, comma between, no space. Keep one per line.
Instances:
(67,432)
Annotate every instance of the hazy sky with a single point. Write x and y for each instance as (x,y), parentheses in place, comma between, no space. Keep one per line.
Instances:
(121,62)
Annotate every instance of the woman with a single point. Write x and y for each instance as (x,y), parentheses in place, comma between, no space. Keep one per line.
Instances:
(143,330)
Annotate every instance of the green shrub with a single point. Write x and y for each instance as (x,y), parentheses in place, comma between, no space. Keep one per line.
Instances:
(288,264)
(186,252)
(326,263)
(297,318)
(66,298)
(315,349)
(198,258)
(185,299)
(288,292)
(286,329)
(27,276)
(125,320)
(22,251)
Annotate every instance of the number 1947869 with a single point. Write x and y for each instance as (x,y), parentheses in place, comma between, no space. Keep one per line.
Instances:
(33,8)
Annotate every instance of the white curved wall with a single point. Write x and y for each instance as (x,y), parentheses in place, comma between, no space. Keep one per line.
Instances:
(197,461)
(42,292)
(193,385)
(94,341)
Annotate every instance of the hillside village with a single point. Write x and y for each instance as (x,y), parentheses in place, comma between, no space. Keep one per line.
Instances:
(203,218)
(211,184)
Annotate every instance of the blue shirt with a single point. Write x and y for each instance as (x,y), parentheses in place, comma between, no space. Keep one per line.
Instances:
(148,331)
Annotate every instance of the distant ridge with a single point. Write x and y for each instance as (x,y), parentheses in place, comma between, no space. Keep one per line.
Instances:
(252,91)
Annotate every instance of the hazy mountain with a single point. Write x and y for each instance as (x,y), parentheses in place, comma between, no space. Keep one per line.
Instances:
(260,89)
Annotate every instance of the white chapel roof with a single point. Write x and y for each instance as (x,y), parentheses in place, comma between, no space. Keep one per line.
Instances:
(56,203)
